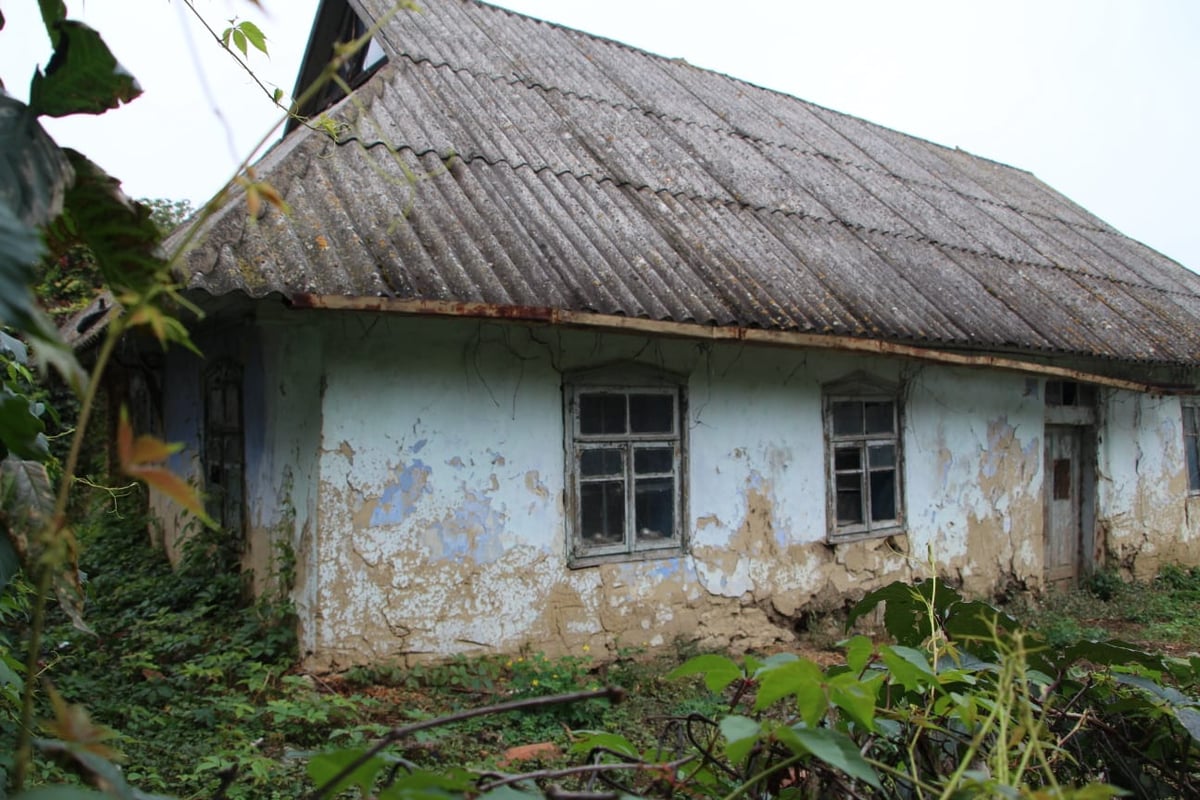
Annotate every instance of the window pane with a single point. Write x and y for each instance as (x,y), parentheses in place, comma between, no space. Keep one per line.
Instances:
(880,417)
(1054,393)
(1189,421)
(601,413)
(602,512)
(654,506)
(653,459)
(847,418)
(1191,446)
(881,455)
(652,413)
(600,463)
(847,458)
(849,508)
(883,495)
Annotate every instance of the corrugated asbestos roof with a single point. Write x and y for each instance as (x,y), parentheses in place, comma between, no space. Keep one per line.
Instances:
(498,159)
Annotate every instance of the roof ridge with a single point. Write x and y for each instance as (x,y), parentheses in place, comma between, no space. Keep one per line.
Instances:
(530,83)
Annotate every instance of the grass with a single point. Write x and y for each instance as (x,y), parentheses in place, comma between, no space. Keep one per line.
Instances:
(1162,614)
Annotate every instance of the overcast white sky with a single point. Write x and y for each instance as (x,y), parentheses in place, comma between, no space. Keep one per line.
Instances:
(1098,98)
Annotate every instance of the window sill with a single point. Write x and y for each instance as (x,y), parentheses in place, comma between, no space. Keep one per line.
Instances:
(661,554)
(859,536)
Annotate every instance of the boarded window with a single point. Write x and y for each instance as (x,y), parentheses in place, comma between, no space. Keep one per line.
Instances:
(863,436)
(627,469)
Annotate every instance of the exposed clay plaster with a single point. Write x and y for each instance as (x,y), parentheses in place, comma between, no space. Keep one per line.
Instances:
(429,489)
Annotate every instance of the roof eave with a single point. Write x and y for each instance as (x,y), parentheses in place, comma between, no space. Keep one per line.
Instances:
(723,333)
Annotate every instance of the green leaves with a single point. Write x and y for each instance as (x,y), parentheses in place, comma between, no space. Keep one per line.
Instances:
(83,76)
(325,767)
(120,232)
(718,671)
(244,33)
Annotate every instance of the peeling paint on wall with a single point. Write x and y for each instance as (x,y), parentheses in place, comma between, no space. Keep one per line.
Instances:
(399,498)
(429,494)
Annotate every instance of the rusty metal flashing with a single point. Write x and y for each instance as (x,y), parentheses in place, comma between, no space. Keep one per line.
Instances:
(717,333)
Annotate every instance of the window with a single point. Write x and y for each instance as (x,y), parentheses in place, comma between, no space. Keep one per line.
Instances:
(1070,394)
(1191,442)
(862,427)
(223,445)
(625,467)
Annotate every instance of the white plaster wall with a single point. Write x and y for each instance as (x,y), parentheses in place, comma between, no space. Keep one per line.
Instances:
(1145,517)
(441,522)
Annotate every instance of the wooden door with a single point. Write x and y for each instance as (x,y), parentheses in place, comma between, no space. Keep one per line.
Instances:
(1064,504)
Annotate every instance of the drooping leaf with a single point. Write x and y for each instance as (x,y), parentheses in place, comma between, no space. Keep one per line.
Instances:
(73,725)
(801,679)
(740,735)
(908,667)
(906,615)
(718,671)
(449,784)
(254,35)
(34,171)
(26,502)
(856,698)
(53,12)
(120,232)
(833,747)
(592,740)
(140,458)
(83,76)
(858,653)
(324,767)
(21,431)
(20,248)
(239,41)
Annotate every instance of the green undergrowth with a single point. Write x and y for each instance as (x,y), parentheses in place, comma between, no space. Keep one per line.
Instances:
(1163,613)
(950,698)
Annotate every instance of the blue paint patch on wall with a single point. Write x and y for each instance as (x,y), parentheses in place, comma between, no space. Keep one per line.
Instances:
(667,569)
(399,499)
(419,445)
(473,530)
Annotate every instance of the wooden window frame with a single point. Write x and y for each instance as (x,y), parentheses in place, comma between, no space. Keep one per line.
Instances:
(632,546)
(1190,412)
(862,388)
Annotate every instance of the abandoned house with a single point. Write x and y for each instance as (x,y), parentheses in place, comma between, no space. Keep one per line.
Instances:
(564,343)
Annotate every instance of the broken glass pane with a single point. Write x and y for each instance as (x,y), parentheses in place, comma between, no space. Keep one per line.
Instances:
(652,413)
(601,413)
(883,495)
(847,418)
(601,463)
(880,417)
(653,459)
(654,509)
(602,512)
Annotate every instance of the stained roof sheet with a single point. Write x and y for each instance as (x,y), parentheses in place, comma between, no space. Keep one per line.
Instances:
(503,160)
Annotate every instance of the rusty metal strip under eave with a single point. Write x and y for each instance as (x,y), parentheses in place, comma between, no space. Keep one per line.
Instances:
(691,330)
